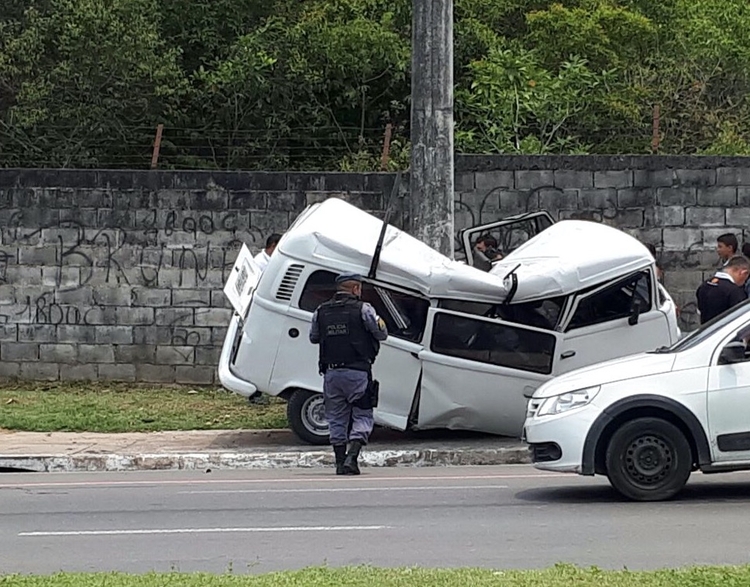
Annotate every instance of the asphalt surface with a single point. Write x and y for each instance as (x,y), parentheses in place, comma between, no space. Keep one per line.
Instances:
(259,521)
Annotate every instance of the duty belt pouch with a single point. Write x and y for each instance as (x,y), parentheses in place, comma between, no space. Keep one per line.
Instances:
(370,398)
(374,392)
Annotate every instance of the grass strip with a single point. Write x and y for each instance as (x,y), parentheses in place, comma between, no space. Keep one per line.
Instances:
(127,407)
(558,576)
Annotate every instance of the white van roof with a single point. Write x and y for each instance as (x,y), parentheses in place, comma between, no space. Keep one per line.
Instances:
(566,257)
(338,235)
(572,255)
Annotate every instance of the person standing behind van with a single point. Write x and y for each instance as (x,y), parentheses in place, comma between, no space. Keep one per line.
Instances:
(349,333)
(746,254)
(262,258)
(726,247)
(724,290)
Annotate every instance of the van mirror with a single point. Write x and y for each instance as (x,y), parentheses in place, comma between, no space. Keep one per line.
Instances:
(635,311)
(734,352)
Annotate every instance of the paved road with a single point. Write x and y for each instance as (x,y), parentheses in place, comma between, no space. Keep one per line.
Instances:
(257,521)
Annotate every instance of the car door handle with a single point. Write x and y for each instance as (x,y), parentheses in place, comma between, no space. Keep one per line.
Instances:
(568,354)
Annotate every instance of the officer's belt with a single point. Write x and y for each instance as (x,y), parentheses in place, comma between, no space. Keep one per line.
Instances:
(343,366)
(336,365)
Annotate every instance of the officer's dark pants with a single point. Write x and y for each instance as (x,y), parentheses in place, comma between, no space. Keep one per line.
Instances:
(341,387)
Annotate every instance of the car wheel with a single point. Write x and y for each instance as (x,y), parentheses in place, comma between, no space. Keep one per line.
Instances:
(306,414)
(648,459)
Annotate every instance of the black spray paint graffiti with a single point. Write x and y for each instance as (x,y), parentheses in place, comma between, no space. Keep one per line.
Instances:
(45,311)
(5,260)
(114,246)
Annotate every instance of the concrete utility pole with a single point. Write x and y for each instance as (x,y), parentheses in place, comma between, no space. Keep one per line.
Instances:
(431,177)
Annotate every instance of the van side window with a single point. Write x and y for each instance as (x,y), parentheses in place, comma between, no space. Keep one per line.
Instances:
(496,343)
(614,302)
(320,287)
(405,315)
(543,314)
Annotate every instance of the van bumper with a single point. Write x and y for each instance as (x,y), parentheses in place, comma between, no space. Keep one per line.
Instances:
(226,376)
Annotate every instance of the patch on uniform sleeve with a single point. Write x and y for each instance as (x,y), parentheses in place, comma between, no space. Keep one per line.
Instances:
(381,324)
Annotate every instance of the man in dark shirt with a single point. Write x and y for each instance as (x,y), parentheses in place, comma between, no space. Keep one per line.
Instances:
(724,290)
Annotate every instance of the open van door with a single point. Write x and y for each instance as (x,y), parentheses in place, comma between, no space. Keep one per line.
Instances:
(242,281)
(510,232)
(478,372)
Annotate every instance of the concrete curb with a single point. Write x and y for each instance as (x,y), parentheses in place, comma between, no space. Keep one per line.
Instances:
(262,460)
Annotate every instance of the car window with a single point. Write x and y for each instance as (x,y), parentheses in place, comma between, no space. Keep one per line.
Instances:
(743,335)
(707,330)
(614,302)
(405,315)
(495,343)
(543,314)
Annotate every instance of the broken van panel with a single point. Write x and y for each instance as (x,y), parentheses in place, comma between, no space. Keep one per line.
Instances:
(570,256)
(338,235)
(466,347)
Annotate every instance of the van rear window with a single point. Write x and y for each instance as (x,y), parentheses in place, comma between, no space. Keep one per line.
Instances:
(405,315)
(496,343)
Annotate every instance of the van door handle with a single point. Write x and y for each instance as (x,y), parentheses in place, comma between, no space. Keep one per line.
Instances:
(568,354)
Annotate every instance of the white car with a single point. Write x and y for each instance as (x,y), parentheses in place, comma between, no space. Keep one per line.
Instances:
(647,421)
(465,347)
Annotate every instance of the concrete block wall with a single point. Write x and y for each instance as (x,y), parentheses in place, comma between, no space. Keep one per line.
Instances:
(678,204)
(118,275)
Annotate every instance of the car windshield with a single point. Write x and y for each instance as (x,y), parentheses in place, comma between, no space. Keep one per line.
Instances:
(707,330)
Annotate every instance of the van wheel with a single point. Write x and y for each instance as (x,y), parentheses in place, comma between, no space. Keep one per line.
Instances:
(648,459)
(307,417)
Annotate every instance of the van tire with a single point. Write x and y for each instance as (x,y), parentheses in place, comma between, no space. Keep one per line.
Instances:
(648,459)
(304,411)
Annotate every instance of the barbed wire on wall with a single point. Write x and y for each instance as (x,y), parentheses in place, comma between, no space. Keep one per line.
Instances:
(316,147)
(322,148)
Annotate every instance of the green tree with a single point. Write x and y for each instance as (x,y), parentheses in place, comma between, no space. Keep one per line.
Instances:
(85,83)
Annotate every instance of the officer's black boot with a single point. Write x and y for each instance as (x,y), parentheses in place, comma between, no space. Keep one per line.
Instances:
(350,464)
(340,451)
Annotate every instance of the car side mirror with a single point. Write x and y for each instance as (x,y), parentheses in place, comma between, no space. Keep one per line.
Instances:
(734,352)
(635,311)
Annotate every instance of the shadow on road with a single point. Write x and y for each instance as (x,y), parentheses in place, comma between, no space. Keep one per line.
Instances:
(736,492)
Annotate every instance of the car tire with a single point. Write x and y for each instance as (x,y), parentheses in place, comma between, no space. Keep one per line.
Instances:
(306,415)
(648,459)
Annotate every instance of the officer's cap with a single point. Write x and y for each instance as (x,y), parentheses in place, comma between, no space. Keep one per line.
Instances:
(349,277)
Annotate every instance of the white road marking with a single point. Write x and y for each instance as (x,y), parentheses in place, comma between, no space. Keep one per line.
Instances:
(311,479)
(348,489)
(207,530)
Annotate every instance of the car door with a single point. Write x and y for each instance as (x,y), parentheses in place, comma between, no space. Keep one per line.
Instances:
(397,367)
(478,372)
(510,233)
(600,324)
(729,403)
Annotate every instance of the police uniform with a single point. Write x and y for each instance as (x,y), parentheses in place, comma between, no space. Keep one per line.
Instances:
(717,295)
(349,332)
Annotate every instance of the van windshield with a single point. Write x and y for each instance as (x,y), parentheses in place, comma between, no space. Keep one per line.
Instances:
(707,330)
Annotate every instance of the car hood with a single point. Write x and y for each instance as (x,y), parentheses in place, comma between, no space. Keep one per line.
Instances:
(631,367)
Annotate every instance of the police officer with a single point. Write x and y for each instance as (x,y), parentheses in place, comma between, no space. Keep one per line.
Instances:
(349,332)
(724,290)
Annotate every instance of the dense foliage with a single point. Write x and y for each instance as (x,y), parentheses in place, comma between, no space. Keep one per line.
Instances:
(284,84)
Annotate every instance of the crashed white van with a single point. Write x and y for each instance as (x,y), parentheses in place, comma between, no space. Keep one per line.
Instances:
(466,348)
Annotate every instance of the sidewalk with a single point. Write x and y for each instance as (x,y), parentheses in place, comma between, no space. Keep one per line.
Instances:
(242,449)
